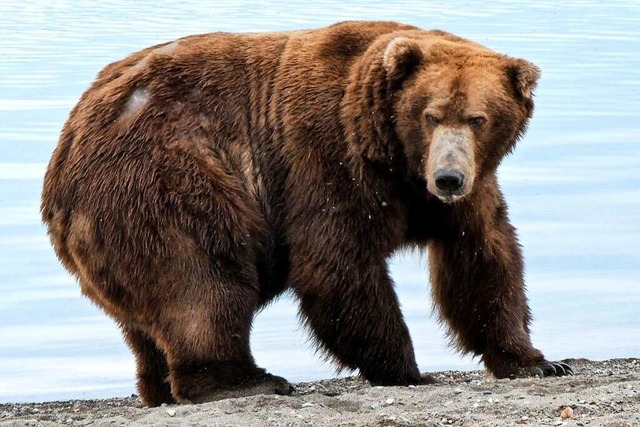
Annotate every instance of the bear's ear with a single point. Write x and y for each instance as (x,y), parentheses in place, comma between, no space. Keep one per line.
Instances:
(401,56)
(524,77)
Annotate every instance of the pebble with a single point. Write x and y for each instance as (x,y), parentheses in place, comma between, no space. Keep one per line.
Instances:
(411,386)
(524,418)
(567,413)
(457,390)
(171,412)
(389,402)
(582,402)
(375,405)
(308,405)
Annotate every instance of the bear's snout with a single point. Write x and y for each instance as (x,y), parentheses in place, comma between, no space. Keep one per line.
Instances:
(451,163)
(449,180)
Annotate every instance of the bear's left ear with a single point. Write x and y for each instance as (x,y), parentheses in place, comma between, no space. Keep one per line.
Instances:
(400,58)
(524,76)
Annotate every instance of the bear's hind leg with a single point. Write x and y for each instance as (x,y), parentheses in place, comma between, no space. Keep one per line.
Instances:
(204,330)
(152,368)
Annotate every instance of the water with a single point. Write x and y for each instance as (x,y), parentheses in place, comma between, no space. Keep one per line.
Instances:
(573,184)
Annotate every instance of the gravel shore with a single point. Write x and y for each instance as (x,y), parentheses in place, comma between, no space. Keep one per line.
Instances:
(602,394)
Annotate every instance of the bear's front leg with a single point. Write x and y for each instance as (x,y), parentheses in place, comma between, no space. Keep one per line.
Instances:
(348,301)
(477,281)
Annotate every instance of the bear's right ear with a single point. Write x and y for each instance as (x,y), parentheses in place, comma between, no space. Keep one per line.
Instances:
(524,76)
(400,58)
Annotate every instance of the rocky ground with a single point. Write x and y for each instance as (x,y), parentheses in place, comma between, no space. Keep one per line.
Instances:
(602,394)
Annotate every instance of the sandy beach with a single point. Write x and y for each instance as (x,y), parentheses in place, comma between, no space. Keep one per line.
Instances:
(603,394)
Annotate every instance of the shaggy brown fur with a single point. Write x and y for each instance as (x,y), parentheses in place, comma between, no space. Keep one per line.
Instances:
(197,180)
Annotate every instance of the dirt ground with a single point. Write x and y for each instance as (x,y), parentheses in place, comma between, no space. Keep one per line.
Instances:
(602,394)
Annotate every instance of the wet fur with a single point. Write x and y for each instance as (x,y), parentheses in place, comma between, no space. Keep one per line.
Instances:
(196,181)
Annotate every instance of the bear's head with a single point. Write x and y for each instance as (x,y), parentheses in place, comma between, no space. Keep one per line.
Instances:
(438,108)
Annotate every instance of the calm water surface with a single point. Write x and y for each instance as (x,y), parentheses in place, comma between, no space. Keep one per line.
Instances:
(573,184)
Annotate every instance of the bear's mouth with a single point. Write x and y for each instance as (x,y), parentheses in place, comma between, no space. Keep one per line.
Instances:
(450,198)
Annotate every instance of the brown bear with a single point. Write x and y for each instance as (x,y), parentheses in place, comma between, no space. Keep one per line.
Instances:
(197,180)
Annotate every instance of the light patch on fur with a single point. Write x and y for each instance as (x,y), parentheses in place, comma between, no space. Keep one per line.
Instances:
(167,49)
(136,102)
(252,178)
(142,63)
(247,167)
(81,233)
(138,65)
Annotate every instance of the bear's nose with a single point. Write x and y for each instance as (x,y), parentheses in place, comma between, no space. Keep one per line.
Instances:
(449,180)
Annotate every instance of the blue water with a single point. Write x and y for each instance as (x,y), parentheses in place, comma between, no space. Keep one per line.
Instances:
(573,184)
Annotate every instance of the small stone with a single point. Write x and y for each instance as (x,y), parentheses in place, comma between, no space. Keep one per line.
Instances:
(524,418)
(448,403)
(308,405)
(389,402)
(582,402)
(171,412)
(567,413)
(375,405)
(411,386)
(457,390)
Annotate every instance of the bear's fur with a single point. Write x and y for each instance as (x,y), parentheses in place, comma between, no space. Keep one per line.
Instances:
(197,180)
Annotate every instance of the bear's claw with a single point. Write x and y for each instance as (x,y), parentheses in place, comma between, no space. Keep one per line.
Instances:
(552,369)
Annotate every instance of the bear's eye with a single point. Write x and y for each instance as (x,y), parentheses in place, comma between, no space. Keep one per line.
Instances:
(477,122)
(432,119)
